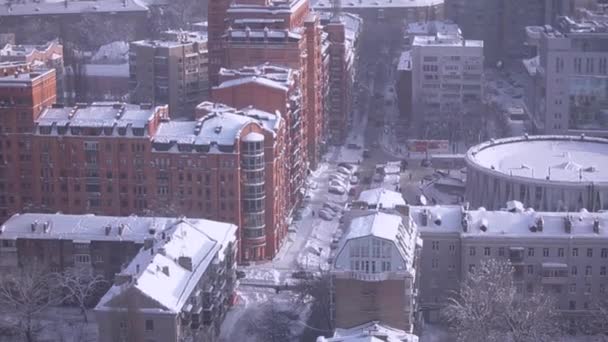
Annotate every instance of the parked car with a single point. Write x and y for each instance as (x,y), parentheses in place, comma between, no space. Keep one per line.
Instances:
(366,154)
(327,214)
(338,176)
(333,207)
(337,182)
(240,274)
(344,171)
(354,180)
(425,163)
(350,167)
(338,190)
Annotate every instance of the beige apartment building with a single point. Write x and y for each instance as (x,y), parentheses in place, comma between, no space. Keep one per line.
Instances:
(172,70)
(374,270)
(564,253)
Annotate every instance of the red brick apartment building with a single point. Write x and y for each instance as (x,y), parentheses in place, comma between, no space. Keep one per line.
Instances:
(117,159)
(275,90)
(252,32)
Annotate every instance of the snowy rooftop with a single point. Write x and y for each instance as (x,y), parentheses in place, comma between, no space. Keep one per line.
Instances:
(278,74)
(370,332)
(272,7)
(170,39)
(381,198)
(114,52)
(261,80)
(81,227)
(96,115)
(22,79)
(433,27)
(238,35)
(170,271)
(12,50)
(46,7)
(405,61)
(508,224)
(553,158)
(445,40)
(221,126)
(321,4)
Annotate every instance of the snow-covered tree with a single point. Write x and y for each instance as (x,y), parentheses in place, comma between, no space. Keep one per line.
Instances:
(490,308)
(315,294)
(27,292)
(80,287)
(273,322)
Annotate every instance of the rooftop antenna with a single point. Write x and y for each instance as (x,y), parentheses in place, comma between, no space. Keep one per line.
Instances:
(336,6)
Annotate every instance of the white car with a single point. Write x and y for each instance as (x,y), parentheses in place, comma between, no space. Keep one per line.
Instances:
(354,180)
(338,190)
(339,183)
(327,214)
(344,170)
(338,176)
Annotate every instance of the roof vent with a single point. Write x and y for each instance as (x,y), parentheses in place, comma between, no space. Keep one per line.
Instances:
(484,225)
(121,228)
(540,224)
(596,225)
(166,270)
(424,217)
(568,224)
(217,129)
(46,227)
(108,229)
(33,226)
(437,220)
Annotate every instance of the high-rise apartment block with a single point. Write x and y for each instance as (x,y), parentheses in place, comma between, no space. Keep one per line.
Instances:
(374,270)
(448,73)
(172,70)
(275,90)
(560,253)
(117,159)
(569,81)
(248,33)
(501,23)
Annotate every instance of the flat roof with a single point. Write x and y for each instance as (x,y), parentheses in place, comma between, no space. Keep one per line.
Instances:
(321,4)
(549,158)
(46,7)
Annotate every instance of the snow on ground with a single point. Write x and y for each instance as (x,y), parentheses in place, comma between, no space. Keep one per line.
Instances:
(262,275)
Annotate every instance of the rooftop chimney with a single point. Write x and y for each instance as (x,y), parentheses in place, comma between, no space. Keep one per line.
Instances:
(596,225)
(108,229)
(166,270)
(185,262)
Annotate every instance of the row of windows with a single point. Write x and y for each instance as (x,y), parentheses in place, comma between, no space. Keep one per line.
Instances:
(546,252)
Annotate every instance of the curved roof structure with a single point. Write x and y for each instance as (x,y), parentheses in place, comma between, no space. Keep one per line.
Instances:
(547,158)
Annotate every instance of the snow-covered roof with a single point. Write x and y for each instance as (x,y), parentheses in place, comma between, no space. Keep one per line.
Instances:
(546,158)
(252,79)
(372,332)
(532,65)
(114,52)
(433,27)
(96,115)
(23,78)
(482,223)
(446,40)
(170,270)
(46,7)
(238,34)
(221,126)
(405,61)
(271,7)
(81,227)
(283,76)
(322,4)
(381,198)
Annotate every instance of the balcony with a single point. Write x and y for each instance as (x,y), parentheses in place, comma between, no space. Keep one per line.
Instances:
(554,273)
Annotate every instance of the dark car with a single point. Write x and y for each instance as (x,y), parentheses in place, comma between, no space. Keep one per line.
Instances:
(302,275)
(240,274)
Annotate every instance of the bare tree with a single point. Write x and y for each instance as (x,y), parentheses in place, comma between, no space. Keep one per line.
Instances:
(27,292)
(315,294)
(489,308)
(81,287)
(273,323)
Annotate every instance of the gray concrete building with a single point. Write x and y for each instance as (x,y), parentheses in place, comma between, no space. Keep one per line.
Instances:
(548,173)
(569,80)
(565,254)
(447,74)
(172,70)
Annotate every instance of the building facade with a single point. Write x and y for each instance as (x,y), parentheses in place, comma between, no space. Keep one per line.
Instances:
(178,287)
(448,73)
(570,81)
(171,277)
(250,33)
(118,159)
(500,24)
(172,71)
(563,254)
(374,271)
(275,90)
(44,56)
(548,173)
(372,331)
